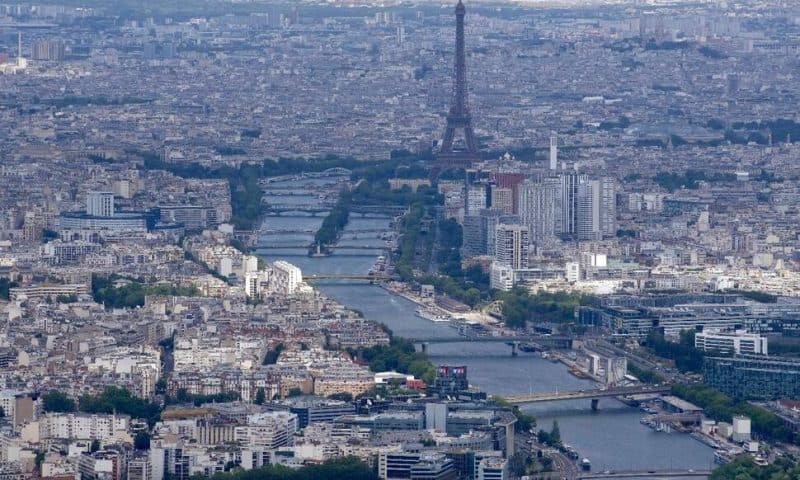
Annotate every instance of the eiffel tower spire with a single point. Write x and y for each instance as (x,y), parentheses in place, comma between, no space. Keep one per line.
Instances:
(459,117)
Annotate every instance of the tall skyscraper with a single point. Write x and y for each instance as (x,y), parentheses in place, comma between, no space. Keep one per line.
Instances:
(492,217)
(474,231)
(511,246)
(476,191)
(100,204)
(596,209)
(537,208)
(459,117)
(568,221)
(553,151)
(476,198)
(588,211)
(608,206)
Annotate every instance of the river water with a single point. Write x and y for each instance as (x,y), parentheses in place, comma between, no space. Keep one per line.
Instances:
(612,438)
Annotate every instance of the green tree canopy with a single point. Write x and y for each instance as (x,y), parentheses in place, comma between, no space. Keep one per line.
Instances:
(347,468)
(56,401)
(261,396)
(141,441)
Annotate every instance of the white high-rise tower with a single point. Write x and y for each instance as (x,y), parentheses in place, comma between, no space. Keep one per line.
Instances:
(537,208)
(22,63)
(511,246)
(100,204)
(553,151)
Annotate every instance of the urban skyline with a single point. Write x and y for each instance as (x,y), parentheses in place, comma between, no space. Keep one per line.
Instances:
(418,240)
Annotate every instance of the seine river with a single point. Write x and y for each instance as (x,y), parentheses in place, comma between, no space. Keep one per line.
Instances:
(611,438)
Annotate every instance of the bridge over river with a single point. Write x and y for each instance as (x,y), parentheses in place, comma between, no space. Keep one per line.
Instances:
(537,342)
(334,276)
(325,206)
(294,246)
(587,394)
(313,230)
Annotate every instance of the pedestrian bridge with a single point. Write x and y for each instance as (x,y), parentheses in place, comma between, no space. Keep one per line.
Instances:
(586,394)
(646,474)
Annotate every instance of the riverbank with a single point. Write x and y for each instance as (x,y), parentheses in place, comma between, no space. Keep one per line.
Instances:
(600,435)
(441,314)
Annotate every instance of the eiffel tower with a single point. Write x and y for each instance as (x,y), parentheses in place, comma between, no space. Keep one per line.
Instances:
(459,117)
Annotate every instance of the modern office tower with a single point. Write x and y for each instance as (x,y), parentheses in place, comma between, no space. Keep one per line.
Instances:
(476,198)
(479,231)
(100,204)
(754,377)
(477,193)
(474,235)
(558,203)
(588,211)
(537,208)
(502,199)
(459,116)
(511,247)
(553,151)
(608,206)
(568,226)
(491,219)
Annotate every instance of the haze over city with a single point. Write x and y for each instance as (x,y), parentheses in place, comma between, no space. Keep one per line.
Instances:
(422,240)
